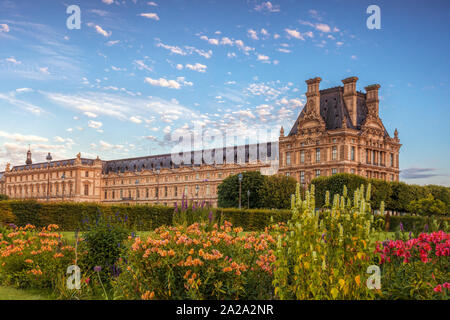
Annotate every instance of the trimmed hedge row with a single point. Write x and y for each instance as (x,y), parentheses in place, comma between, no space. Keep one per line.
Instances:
(253,219)
(418,223)
(70,216)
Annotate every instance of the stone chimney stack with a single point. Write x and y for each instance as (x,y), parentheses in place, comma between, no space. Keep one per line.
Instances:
(313,95)
(350,97)
(372,100)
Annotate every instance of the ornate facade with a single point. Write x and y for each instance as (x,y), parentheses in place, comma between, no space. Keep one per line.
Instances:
(338,130)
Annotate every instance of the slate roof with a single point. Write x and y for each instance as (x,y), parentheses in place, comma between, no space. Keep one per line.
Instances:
(41,165)
(1,175)
(165,160)
(333,108)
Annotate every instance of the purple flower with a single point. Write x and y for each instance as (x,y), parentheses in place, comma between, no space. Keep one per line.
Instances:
(410,234)
(176,207)
(426,227)
(401,227)
(97,268)
(13,226)
(210,216)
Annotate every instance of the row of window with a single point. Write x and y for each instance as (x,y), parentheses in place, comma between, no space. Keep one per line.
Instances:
(334,153)
(198,176)
(43,176)
(146,192)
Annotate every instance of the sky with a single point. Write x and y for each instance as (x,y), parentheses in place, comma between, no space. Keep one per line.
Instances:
(138,74)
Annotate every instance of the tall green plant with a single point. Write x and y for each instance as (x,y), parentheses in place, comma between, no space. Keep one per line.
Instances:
(325,253)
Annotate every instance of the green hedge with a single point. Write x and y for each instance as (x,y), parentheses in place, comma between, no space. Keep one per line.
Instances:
(72,215)
(418,223)
(252,219)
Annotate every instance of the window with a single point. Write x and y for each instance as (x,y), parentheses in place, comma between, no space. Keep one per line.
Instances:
(157,192)
(352,171)
(208,190)
(165,191)
(334,153)
(86,174)
(175,191)
(373,157)
(392,177)
(302,176)
(288,158)
(185,190)
(146,193)
(86,189)
(138,194)
(333,171)
(392,159)
(196,189)
(367,157)
(317,173)
(302,156)
(186,178)
(318,155)
(352,154)
(113,194)
(288,174)
(197,176)
(106,195)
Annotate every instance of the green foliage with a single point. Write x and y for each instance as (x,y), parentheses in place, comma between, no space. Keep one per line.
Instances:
(277,191)
(70,215)
(397,196)
(418,224)
(3,197)
(325,254)
(228,190)
(253,219)
(428,206)
(103,244)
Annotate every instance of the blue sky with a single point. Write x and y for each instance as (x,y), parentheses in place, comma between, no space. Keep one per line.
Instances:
(138,72)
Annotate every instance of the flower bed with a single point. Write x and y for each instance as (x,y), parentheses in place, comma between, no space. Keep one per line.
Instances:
(416,268)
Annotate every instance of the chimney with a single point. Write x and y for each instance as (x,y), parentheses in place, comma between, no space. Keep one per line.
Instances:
(313,94)
(350,97)
(372,100)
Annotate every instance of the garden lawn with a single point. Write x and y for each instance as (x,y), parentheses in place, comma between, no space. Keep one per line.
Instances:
(9,293)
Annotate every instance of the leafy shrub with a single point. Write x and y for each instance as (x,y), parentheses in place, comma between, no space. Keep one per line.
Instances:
(102,245)
(416,268)
(418,224)
(325,254)
(3,197)
(199,262)
(31,258)
(253,219)
(428,206)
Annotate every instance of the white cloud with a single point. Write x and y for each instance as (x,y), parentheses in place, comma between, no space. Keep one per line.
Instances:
(101,31)
(135,120)
(173,49)
(89,114)
(323,27)
(112,42)
(294,34)
(22,138)
(252,34)
(262,57)
(151,3)
(150,15)
(161,82)
(4,27)
(196,67)
(353,57)
(13,60)
(142,66)
(267,6)
(95,124)
(23,90)
(108,1)
(244,113)
(44,70)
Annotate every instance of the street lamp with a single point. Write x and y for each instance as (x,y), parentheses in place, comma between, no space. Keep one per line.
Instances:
(136,183)
(157,185)
(240,188)
(49,159)
(248,199)
(63,177)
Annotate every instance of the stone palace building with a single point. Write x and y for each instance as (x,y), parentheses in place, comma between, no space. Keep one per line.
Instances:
(339,130)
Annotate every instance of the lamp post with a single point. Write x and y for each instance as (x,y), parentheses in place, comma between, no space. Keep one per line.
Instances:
(49,159)
(63,177)
(248,199)
(240,188)
(157,185)
(136,183)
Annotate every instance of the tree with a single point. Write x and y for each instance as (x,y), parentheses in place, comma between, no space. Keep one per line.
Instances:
(428,206)
(3,197)
(228,190)
(277,191)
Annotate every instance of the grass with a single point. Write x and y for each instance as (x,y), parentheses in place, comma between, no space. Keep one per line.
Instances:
(9,293)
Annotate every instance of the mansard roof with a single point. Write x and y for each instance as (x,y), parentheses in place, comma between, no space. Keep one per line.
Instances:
(333,109)
(43,165)
(165,160)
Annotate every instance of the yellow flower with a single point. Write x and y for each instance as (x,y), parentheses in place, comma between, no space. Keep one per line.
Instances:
(358,280)
(341,283)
